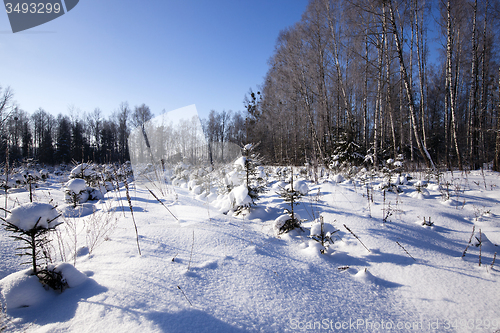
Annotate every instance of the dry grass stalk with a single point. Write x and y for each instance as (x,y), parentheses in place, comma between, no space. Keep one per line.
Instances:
(406,251)
(162,203)
(470,240)
(132,211)
(357,238)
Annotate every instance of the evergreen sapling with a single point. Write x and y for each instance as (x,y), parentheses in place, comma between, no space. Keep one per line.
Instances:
(254,182)
(292,196)
(323,235)
(31,224)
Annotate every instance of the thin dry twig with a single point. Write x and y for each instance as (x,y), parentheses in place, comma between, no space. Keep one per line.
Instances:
(182,291)
(470,240)
(162,203)
(357,238)
(406,251)
(133,219)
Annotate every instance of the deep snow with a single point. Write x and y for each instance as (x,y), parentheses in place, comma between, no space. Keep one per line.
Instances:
(210,272)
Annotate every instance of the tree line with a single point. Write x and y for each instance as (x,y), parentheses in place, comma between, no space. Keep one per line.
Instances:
(49,139)
(52,140)
(360,72)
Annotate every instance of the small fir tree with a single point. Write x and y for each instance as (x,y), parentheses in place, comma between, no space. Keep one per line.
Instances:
(253,180)
(323,235)
(292,197)
(31,224)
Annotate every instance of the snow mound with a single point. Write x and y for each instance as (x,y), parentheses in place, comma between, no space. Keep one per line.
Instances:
(301,186)
(78,211)
(73,277)
(313,248)
(240,162)
(76,185)
(366,277)
(338,178)
(26,216)
(434,187)
(197,189)
(82,170)
(422,194)
(327,228)
(21,289)
(280,222)
(212,197)
(239,196)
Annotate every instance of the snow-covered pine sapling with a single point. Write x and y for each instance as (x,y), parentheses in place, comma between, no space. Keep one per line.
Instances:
(31,224)
(253,177)
(76,191)
(253,182)
(86,172)
(323,234)
(392,168)
(291,194)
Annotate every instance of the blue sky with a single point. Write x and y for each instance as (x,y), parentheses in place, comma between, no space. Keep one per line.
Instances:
(167,54)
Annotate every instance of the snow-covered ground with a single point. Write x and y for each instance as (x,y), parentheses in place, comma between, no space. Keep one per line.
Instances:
(204,271)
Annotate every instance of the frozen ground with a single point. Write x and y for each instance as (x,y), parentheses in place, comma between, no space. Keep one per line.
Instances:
(210,272)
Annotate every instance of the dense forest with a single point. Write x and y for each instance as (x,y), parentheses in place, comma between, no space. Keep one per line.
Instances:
(353,82)
(354,79)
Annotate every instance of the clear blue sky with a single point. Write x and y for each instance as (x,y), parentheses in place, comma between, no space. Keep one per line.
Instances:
(166,54)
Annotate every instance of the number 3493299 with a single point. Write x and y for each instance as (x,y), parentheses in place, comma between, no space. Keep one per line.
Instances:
(33,8)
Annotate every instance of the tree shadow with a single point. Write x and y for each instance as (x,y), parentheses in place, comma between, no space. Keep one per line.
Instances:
(190,320)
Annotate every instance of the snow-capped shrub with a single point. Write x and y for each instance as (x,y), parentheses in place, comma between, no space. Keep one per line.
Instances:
(279,223)
(87,172)
(284,224)
(96,193)
(76,191)
(44,173)
(245,174)
(61,277)
(338,178)
(240,198)
(322,233)
(197,189)
(31,223)
(301,187)
(33,215)
(82,171)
